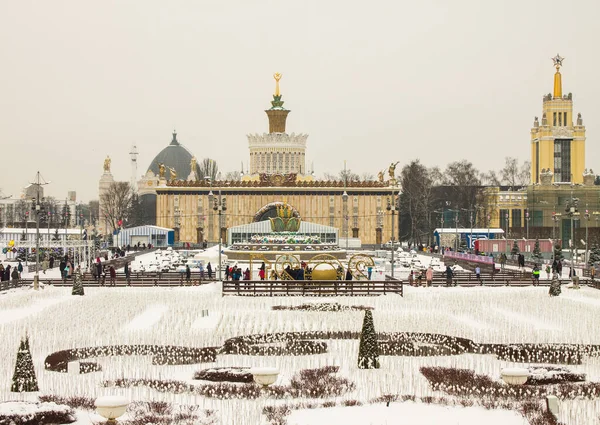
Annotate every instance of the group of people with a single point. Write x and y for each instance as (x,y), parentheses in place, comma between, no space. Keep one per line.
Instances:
(416,279)
(11,273)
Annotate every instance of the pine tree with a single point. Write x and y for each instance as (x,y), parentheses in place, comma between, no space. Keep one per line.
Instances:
(594,255)
(368,350)
(537,253)
(24,379)
(554,286)
(77,284)
(515,248)
(558,251)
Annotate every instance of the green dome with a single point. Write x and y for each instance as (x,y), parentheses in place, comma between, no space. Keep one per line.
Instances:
(175,156)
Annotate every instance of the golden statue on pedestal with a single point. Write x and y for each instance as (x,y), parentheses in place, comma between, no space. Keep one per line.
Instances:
(173,173)
(392,171)
(193,164)
(107,164)
(161,170)
(277,77)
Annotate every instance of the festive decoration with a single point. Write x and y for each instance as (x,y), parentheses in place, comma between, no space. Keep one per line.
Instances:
(24,379)
(368,350)
(77,284)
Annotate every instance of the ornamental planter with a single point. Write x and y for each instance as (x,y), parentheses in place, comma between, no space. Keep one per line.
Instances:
(265,376)
(514,376)
(111,407)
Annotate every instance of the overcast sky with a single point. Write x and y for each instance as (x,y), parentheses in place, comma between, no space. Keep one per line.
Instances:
(370,82)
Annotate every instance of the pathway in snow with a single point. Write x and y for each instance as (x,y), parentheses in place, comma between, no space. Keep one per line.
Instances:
(526,320)
(469,321)
(207,322)
(406,414)
(20,313)
(147,319)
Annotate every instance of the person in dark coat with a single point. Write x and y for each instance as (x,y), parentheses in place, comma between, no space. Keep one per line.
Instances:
(127,274)
(15,276)
(7,273)
(51,264)
(61,266)
(113,275)
(348,275)
(449,274)
(188,274)
(99,268)
(209,270)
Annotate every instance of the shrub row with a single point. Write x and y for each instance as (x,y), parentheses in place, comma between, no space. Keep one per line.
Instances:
(161,355)
(313,383)
(466,383)
(327,307)
(75,402)
(225,374)
(409,344)
(44,413)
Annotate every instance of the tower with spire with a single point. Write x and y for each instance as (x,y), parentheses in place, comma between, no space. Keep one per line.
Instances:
(277,152)
(558,142)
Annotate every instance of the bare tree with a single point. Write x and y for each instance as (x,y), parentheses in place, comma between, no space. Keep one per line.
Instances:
(233,176)
(208,168)
(344,175)
(525,173)
(94,210)
(116,203)
(490,178)
(415,202)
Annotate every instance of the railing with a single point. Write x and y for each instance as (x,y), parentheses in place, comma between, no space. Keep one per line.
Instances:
(310,288)
(469,257)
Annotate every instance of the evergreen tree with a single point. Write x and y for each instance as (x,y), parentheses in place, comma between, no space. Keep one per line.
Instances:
(558,251)
(594,255)
(554,286)
(24,379)
(515,248)
(537,253)
(55,237)
(77,284)
(368,350)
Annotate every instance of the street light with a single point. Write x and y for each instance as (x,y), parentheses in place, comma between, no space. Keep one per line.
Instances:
(587,221)
(345,207)
(391,206)
(37,208)
(220,206)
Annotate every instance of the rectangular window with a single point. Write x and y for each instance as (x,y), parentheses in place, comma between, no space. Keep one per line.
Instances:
(537,162)
(537,219)
(559,119)
(565,120)
(516,218)
(554,115)
(503,219)
(562,160)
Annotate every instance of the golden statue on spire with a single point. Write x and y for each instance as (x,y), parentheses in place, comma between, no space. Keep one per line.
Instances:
(277,77)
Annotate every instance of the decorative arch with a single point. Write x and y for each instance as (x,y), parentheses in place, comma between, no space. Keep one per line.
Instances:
(270,211)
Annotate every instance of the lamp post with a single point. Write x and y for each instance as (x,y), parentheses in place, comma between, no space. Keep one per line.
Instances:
(220,206)
(391,206)
(527,220)
(507,219)
(37,208)
(587,221)
(345,207)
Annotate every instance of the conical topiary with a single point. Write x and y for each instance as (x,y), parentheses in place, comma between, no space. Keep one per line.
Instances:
(554,286)
(515,248)
(24,379)
(368,350)
(594,255)
(77,284)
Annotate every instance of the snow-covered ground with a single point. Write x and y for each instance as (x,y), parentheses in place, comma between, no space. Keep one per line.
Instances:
(55,320)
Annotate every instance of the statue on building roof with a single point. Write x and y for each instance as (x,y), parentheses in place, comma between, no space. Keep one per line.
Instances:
(380,176)
(161,170)
(392,170)
(172,173)
(107,164)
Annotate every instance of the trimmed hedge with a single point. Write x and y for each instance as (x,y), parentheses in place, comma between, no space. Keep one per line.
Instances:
(161,355)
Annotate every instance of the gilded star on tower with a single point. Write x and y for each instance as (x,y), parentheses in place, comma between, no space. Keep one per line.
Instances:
(558,60)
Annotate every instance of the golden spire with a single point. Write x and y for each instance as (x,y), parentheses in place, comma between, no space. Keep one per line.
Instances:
(277,77)
(558,60)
